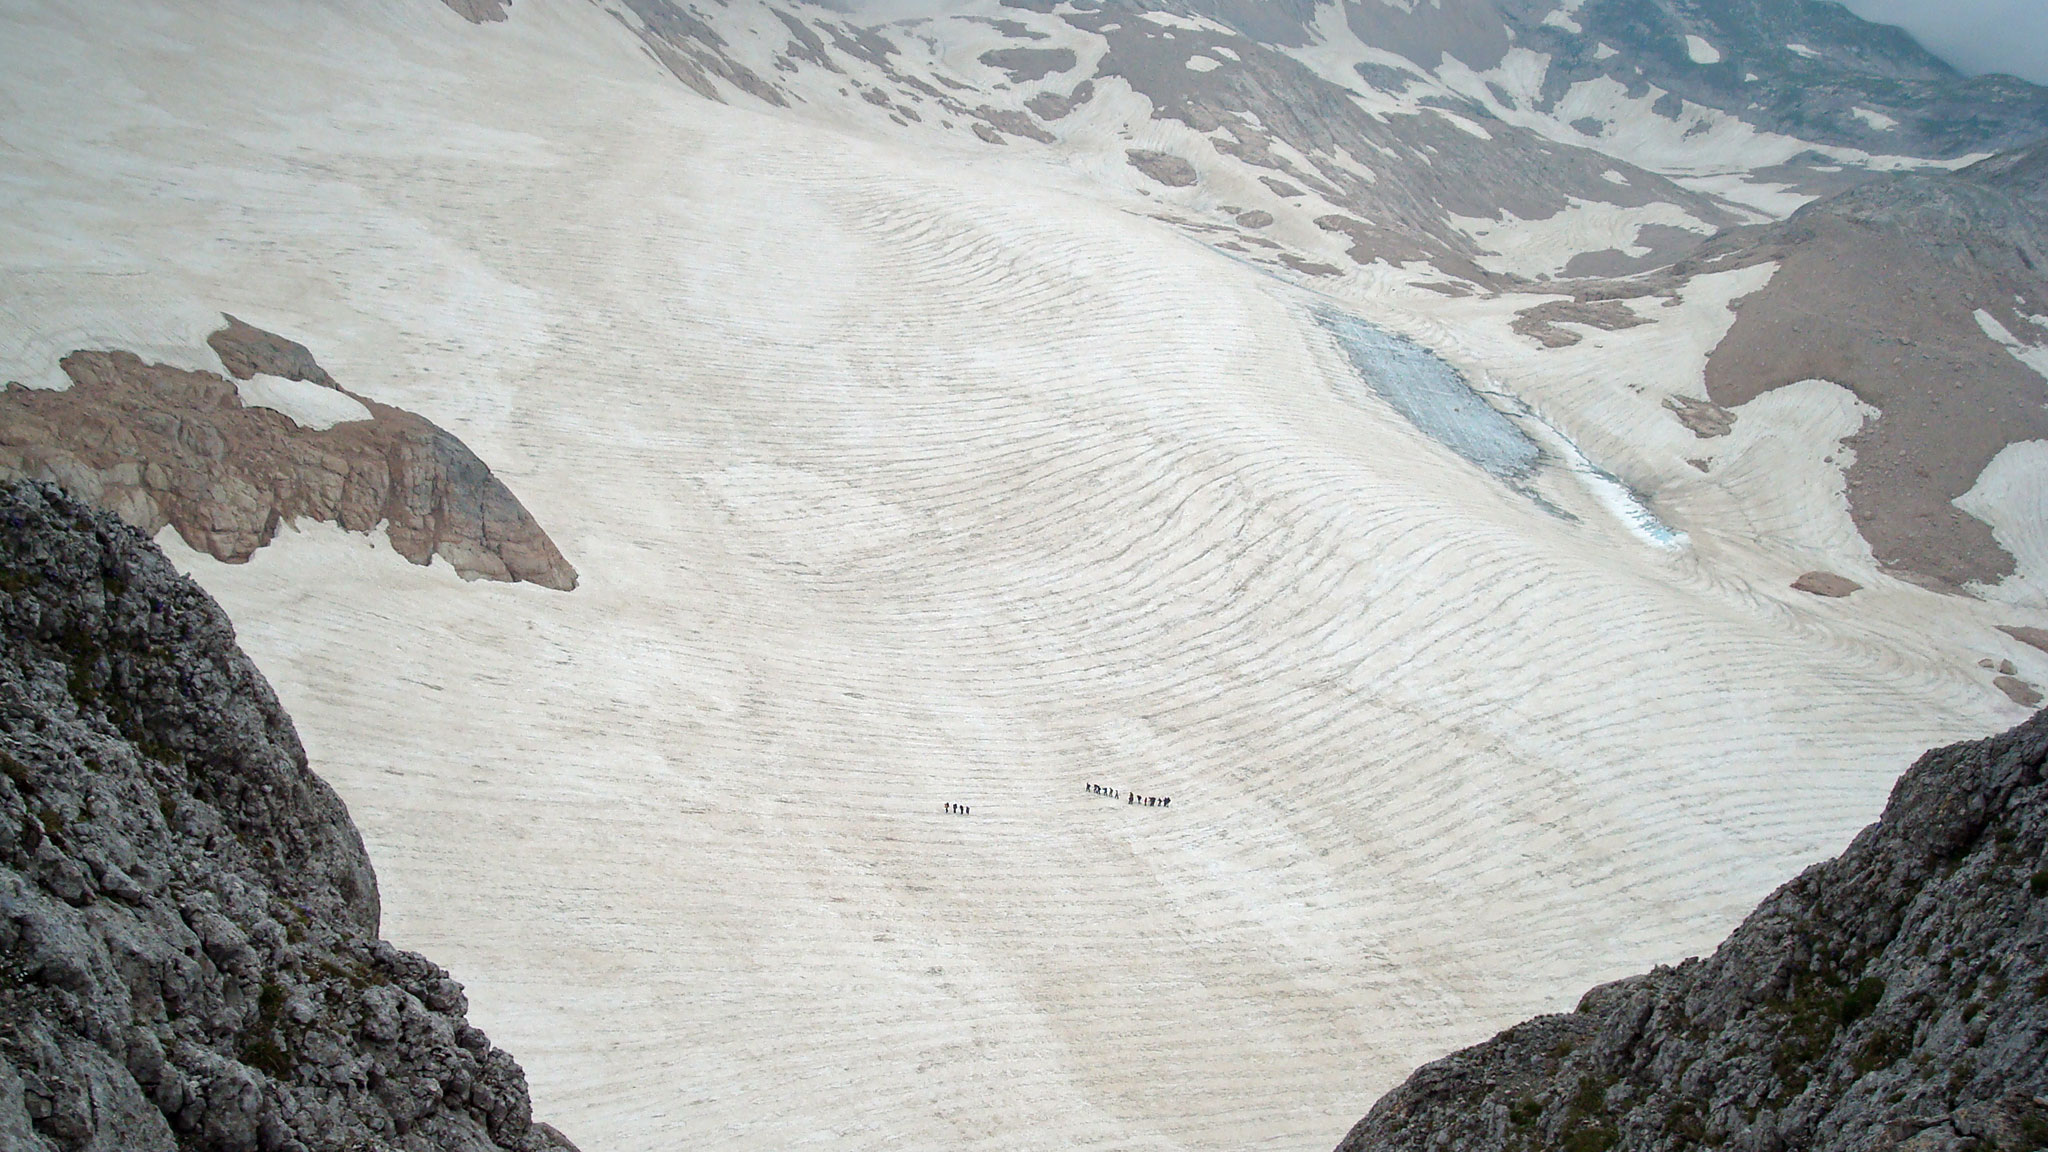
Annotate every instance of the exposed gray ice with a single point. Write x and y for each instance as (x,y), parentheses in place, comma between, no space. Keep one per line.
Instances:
(1434,396)
(1437,399)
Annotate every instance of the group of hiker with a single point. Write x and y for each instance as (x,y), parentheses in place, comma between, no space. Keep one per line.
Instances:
(1131,798)
(1099,790)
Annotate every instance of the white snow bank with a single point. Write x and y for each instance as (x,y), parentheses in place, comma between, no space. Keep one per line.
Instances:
(2011,495)
(307,404)
(2033,356)
(1544,247)
(1701,51)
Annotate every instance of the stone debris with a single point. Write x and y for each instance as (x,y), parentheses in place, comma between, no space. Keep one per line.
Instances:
(2017,690)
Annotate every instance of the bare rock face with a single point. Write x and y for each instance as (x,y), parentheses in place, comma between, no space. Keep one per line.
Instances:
(479,11)
(1027,64)
(1164,167)
(1894,997)
(1541,322)
(1846,64)
(1702,418)
(189,958)
(247,351)
(159,445)
(2037,637)
(1826,584)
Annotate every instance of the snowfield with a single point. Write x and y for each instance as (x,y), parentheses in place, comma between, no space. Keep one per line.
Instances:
(901,473)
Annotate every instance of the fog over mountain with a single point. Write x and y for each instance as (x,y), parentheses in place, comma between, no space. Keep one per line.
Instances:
(1977,36)
(1023,574)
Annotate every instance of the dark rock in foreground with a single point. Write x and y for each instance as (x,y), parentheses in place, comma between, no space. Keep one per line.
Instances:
(1894,997)
(188,922)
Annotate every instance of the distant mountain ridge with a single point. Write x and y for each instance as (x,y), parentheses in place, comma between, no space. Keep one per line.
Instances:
(1375,130)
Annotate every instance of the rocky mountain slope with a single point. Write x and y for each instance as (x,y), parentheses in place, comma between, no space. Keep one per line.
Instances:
(1508,145)
(1924,294)
(1445,133)
(188,924)
(1895,996)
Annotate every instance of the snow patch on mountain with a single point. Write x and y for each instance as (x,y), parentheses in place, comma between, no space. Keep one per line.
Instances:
(2034,356)
(2011,495)
(303,402)
(1538,248)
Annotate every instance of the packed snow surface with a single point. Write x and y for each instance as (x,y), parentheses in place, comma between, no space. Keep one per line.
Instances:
(308,404)
(904,471)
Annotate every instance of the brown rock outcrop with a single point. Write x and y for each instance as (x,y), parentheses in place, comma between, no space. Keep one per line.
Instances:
(1826,584)
(1876,291)
(247,351)
(1705,420)
(1164,167)
(160,445)
(2038,637)
(1541,322)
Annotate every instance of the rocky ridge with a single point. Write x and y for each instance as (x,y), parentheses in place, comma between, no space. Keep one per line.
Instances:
(1894,997)
(160,445)
(188,922)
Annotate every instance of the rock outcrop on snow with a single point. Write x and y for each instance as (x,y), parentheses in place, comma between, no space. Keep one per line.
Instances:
(188,923)
(1896,996)
(161,445)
